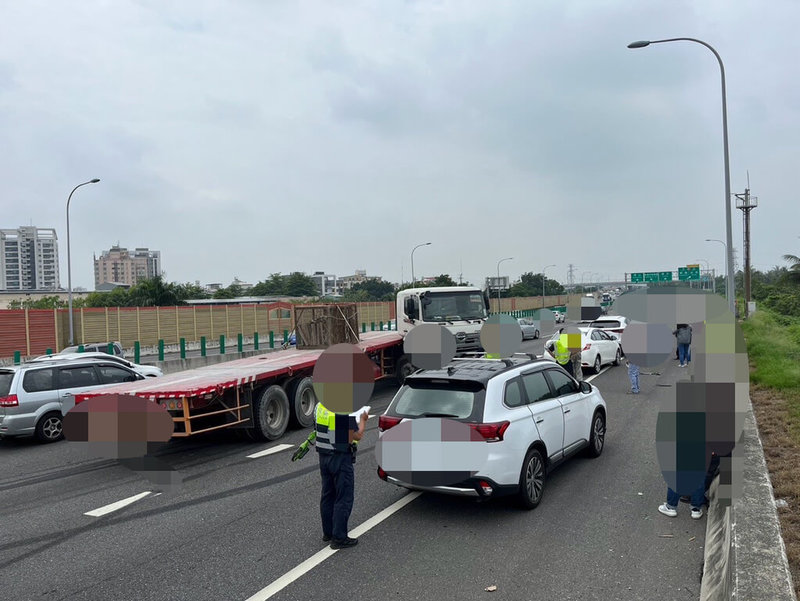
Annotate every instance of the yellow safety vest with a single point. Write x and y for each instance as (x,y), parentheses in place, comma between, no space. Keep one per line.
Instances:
(329,437)
(562,350)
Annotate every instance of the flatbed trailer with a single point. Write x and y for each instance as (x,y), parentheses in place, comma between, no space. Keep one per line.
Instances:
(260,396)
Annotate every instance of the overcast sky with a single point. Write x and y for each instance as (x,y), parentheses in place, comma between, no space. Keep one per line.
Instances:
(246,137)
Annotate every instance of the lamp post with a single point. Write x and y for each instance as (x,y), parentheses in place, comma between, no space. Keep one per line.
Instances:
(543,270)
(729,290)
(69,262)
(726,254)
(498,280)
(412,260)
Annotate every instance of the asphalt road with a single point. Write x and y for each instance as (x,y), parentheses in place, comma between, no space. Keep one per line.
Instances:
(238,525)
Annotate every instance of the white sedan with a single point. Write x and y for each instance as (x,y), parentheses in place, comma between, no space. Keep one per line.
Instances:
(598,348)
(530,329)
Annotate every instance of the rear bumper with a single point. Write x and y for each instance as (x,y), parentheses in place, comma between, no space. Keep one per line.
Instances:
(468,488)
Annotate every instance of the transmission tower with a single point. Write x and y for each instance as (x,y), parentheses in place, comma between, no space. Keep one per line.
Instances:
(571,276)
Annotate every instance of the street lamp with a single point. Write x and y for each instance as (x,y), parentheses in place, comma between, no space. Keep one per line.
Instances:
(69,262)
(412,260)
(729,293)
(543,270)
(726,254)
(498,280)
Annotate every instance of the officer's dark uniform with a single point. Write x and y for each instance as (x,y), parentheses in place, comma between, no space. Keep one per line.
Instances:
(336,460)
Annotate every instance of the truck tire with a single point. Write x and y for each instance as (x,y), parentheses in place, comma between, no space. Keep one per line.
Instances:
(302,400)
(270,414)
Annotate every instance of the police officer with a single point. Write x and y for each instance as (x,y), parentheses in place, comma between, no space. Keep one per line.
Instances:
(562,353)
(336,435)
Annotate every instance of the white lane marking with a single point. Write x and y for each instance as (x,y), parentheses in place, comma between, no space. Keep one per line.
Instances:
(96,513)
(592,377)
(276,449)
(316,559)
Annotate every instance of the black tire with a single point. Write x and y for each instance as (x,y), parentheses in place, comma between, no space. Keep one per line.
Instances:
(536,335)
(532,479)
(598,364)
(270,414)
(302,402)
(597,435)
(618,358)
(403,369)
(50,427)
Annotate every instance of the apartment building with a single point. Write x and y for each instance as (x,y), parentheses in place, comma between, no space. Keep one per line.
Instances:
(119,265)
(346,282)
(29,259)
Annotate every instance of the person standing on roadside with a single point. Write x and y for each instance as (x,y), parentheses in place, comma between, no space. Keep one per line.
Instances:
(683,335)
(633,375)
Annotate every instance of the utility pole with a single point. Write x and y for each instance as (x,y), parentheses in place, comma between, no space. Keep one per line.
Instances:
(571,276)
(746,203)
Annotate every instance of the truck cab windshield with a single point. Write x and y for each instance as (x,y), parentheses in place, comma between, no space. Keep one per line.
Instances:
(452,306)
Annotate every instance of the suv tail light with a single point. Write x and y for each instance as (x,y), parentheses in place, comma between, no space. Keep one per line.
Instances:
(9,401)
(491,432)
(386,421)
(381,473)
(485,487)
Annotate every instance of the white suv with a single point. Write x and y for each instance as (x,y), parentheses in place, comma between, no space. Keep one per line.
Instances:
(530,414)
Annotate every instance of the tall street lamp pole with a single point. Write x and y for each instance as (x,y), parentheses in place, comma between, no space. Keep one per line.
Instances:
(412,260)
(498,280)
(726,254)
(69,262)
(728,228)
(543,270)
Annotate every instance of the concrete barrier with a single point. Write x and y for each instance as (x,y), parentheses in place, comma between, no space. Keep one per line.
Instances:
(745,557)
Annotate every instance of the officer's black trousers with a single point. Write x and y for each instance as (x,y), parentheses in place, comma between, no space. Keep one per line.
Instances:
(338,484)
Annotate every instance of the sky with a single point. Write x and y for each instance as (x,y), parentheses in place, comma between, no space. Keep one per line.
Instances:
(243,138)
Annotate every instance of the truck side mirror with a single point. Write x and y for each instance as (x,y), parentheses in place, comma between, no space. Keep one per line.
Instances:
(410,307)
(486,300)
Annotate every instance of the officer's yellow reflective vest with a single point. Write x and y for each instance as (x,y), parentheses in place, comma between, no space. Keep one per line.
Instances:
(562,350)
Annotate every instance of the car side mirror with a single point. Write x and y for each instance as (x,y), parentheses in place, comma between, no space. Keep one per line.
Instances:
(586,387)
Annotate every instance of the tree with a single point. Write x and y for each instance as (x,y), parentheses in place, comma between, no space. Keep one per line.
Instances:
(232,291)
(370,290)
(46,302)
(188,291)
(153,292)
(794,269)
(118,297)
(275,285)
(299,284)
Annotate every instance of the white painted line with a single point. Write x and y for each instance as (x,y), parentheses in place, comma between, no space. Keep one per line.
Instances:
(96,513)
(316,559)
(593,376)
(276,449)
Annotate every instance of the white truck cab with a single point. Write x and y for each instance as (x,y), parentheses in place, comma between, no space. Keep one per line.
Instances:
(461,309)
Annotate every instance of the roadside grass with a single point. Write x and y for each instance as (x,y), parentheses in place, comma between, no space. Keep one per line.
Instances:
(773,346)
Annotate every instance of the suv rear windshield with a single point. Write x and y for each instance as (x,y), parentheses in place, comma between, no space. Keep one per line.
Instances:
(5,382)
(439,398)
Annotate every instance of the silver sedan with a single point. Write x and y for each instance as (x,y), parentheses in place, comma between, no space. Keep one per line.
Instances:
(530,329)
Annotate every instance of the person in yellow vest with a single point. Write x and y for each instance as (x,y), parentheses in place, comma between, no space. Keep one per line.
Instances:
(336,434)
(563,353)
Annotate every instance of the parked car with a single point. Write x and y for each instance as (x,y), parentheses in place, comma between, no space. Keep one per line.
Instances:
(598,348)
(95,347)
(149,371)
(35,396)
(530,329)
(532,413)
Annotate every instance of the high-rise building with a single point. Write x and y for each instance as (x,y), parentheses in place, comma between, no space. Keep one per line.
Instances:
(122,266)
(326,283)
(29,259)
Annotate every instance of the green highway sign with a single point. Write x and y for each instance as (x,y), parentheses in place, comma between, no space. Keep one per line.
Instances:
(690,272)
(637,277)
(651,276)
(664,276)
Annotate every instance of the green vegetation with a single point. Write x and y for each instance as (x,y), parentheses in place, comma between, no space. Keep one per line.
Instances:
(773,345)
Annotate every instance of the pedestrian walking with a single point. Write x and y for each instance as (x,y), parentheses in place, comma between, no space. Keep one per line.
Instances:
(336,435)
(683,335)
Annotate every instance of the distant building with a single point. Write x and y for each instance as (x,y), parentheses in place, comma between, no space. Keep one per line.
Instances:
(326,283)
(121,266)
(29,259)
(348,281)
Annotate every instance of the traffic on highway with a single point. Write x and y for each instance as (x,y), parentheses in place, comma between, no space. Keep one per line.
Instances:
(245,522)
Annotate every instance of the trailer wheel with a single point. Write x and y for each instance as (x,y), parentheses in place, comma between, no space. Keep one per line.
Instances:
(302,400)
(270,414)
